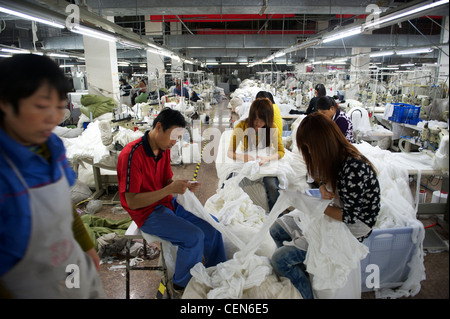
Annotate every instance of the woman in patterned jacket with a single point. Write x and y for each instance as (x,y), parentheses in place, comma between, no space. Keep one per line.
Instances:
(328,106)
(346,176)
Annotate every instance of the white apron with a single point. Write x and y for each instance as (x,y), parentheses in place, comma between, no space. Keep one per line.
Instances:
(52,249)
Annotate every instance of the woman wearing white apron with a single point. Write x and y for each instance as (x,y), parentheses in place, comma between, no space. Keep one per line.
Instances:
(41,253)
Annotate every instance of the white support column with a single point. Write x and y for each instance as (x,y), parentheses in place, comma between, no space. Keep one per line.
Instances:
(155,62)
(175,29)
(360,64)
(101,67)
(443,59)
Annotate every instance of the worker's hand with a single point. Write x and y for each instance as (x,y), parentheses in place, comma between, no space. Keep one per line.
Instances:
(263,160)
(248,158)
(93,254)
(179,186)
(325,193)
(193,186)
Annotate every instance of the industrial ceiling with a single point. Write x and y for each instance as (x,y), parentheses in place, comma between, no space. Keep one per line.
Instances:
(227,31)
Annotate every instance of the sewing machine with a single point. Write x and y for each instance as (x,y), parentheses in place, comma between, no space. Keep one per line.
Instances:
(432,136)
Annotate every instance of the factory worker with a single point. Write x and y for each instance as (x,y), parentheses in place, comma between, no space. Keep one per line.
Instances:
(276,110)
(346,176)
(141,85)
(319,91)
(45,251)
(181,91)
(146,187)
(327,105)
(125,87)
(259,121)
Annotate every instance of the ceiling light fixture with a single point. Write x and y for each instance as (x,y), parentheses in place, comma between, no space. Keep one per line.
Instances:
(15,51)
(129,44)
(381,53)
(58,55)
(396,16)
(33,18)
(93,33)
(414,51)
(343,34)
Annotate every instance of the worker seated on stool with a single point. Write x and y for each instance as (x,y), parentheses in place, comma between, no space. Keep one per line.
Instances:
(146,187)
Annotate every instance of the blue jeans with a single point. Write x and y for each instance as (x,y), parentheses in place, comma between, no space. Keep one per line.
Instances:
(272,185)
(287,261)
(194,237)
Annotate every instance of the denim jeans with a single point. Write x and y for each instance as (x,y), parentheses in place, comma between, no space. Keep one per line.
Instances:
(272,185)
(194,237)
(287,261)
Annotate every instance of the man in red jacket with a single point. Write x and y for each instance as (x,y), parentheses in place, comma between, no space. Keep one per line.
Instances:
(146,187)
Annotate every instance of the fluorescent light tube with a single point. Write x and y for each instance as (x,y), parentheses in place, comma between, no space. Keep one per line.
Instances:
(404,14)
(414,51)
(343,34)
(16,51)
(57,55)
(407,64)
(28,17)
(93,33)
(381,53)
(129,44)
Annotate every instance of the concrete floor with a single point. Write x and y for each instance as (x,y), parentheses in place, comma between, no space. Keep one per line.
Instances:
(144,284)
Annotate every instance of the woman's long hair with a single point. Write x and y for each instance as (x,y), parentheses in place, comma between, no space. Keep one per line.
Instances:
(324,148)
(321,91)
(262,108)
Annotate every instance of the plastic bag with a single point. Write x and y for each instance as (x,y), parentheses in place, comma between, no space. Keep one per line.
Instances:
(94,206)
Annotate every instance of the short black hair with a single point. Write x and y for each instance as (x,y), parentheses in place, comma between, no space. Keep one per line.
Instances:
(23,74)
(168,118)
(265,94)
(320,88)
(324,103)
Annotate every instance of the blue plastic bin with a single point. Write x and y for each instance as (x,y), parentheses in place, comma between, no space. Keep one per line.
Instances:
(401,111)
(413,115)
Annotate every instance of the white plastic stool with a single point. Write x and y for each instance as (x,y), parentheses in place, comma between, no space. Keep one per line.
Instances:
(133,232)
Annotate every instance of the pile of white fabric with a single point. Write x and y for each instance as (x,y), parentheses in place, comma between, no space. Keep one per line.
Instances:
(291,169)
(249,268)
(248,272)
(90,147)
